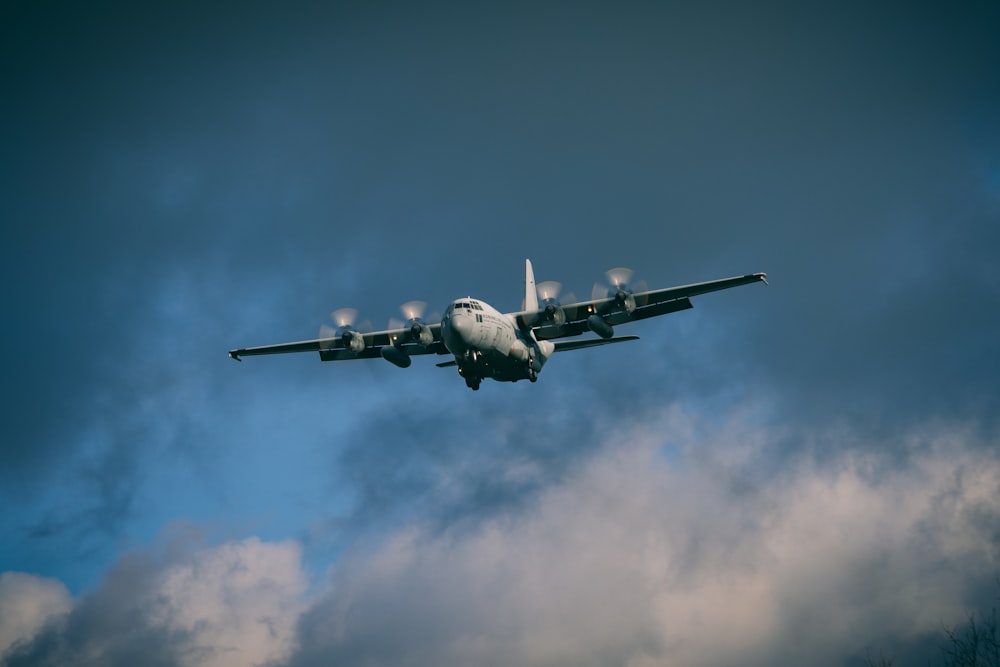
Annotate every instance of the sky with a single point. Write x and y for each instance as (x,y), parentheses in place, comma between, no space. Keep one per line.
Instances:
(803,472)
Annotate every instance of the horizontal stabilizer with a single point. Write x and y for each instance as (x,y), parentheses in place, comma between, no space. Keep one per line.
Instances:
(565,345)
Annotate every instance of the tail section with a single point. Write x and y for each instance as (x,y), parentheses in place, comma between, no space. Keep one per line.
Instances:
(530,293)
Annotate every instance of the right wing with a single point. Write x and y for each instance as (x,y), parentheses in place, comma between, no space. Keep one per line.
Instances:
(335,348)
(565,345)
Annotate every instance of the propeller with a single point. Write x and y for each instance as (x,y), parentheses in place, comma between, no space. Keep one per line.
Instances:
(418,331)
(549,290)
(548,295)
(344,319)
(621,288)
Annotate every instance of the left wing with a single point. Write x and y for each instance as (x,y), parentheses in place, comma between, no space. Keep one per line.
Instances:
(650,303)
(337,348)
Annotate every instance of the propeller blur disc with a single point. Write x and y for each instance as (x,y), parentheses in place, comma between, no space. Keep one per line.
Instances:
(549,290)
(413,310)
(620,277)
(344,317)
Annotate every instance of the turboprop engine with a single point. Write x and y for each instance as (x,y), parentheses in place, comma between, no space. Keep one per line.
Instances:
(620,290)
(421,334)
(415,332)
(622,297)
(625,301)
(352,339)
(552,310)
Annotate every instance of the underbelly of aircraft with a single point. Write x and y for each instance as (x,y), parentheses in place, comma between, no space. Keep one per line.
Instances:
(492,363)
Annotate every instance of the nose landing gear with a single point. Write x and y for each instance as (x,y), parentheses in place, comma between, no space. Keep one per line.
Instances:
(471,379)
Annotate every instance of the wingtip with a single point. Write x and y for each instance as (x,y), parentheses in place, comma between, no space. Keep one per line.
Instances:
(763,278)
(235,354)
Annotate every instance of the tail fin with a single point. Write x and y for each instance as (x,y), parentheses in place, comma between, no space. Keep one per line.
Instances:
(530,294)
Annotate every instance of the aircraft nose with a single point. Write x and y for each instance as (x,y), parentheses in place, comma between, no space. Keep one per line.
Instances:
(462,327)
(456,331)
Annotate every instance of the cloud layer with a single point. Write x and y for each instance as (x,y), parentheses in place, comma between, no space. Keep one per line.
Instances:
(669,546)
(221,606)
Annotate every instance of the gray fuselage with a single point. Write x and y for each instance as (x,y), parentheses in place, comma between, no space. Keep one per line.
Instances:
(488,344)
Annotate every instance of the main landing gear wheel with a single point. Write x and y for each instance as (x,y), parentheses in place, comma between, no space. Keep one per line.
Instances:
(472,383)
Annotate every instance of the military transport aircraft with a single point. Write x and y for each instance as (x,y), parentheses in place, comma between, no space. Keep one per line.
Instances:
(506,347)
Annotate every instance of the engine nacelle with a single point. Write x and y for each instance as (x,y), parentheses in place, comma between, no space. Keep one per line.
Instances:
(625,301)
(599,326)
(353,341)
(396,356)
(554,312)
(421,334)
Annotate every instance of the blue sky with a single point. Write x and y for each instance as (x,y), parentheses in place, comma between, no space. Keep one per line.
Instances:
(811,465)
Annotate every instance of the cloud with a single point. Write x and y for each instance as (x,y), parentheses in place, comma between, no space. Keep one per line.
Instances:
(655,554)
(227,605)
(674,542)
(27,602)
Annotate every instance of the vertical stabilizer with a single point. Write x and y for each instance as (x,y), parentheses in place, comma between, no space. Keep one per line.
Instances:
(530,294)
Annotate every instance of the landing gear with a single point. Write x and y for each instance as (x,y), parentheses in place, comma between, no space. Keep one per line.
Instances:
(471,379)
(469,369)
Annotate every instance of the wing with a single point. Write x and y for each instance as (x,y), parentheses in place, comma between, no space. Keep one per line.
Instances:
(566,345)
(648,304)
(335,349)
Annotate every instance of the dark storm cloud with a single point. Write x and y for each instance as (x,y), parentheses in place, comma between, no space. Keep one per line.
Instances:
(267,141)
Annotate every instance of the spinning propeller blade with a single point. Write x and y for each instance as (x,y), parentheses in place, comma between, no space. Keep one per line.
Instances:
(621,285)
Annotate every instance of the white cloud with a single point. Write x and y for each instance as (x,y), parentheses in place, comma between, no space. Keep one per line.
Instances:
(27,602)
(672,545)
(643,559)
(236,603)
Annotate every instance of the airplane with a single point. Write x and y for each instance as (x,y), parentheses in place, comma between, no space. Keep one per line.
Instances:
(505,347)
